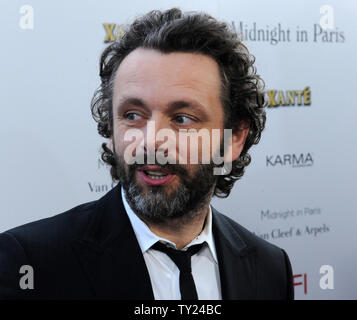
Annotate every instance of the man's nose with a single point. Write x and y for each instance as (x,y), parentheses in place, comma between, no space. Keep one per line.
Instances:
(152,138)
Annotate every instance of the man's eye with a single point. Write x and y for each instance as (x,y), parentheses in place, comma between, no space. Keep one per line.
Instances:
(181,119)
(132,116)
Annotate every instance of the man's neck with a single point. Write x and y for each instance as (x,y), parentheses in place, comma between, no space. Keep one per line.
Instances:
(183,234)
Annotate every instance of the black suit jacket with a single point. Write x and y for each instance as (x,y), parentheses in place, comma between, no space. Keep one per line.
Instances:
(91,252)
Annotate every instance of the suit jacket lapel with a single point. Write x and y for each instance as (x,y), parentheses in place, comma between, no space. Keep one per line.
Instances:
(110,254)
(236,260)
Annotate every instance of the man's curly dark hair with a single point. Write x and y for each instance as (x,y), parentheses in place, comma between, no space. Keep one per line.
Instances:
(242,94)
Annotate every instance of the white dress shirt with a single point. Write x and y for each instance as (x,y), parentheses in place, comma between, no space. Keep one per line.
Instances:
(164,274)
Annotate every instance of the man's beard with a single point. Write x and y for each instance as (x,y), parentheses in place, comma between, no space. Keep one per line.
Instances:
(157,205)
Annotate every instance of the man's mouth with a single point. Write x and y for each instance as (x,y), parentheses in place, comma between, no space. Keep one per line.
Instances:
(155,175)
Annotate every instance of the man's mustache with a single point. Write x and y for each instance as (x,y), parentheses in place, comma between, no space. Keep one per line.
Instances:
(172,168)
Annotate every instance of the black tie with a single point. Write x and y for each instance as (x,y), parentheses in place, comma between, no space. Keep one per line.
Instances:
(182,260)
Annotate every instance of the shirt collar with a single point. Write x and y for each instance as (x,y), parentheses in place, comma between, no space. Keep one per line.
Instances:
(147,238)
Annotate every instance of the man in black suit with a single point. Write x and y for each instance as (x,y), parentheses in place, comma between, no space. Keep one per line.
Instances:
(155,235)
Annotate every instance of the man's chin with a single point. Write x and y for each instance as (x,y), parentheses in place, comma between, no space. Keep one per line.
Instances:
(157,204)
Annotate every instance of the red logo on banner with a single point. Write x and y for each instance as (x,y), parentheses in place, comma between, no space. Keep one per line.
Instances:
(302,281)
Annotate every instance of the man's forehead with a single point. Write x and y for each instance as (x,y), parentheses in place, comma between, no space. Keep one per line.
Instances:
(177,68)
(157,76)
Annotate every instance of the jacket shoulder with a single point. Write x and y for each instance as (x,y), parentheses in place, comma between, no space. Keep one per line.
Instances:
(272,263)
(64,226)
(45,245)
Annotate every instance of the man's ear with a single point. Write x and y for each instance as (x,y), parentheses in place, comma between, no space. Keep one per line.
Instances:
(239,136)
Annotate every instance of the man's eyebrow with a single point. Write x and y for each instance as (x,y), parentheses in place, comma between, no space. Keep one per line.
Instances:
(195,106)
(131,101)
(175,105)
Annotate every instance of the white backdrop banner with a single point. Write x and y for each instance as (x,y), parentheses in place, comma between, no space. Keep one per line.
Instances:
(299,191)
